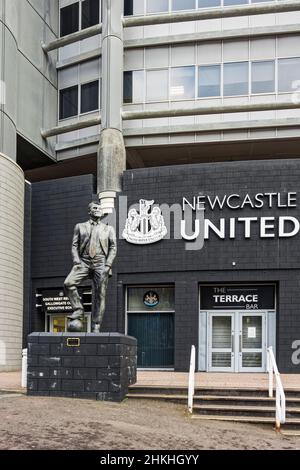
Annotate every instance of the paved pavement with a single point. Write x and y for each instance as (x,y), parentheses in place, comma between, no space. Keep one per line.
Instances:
(204,379)
(12,380)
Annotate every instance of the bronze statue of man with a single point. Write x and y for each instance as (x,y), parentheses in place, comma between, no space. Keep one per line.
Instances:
(94,249)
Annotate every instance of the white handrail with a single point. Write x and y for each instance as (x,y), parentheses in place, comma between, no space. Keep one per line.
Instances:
(24,368)
(280,395)
(191,390)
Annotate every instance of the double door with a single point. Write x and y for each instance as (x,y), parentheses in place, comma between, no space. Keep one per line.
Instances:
(237,341)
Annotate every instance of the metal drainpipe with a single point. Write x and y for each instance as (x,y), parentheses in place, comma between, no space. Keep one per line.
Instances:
(111,150)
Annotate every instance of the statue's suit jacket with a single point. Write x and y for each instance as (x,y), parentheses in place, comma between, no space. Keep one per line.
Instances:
(107,240)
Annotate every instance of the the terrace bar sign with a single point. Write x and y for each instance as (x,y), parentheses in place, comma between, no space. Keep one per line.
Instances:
(227,297)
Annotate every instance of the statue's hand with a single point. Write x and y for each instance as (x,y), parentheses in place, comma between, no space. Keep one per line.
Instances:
(107,270)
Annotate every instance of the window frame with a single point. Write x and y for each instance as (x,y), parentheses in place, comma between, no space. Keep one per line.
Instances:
(60,119)
(80,96)
(277,77)
(248,78)
(149,287)
(80,2)
(197,6)
(220,65)
(60,18)
(251,93)
(79,113)
(195,83)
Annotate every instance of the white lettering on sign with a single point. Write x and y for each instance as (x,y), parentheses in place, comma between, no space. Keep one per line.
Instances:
(268,227)
(234,298)
(146,225)
(237,201)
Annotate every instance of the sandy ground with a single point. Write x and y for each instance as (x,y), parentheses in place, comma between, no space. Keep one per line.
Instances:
(59,423)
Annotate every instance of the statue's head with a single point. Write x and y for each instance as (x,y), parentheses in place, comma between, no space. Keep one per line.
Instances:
(95,210)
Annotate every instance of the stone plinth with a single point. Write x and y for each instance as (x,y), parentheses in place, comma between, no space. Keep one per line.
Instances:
(98,366)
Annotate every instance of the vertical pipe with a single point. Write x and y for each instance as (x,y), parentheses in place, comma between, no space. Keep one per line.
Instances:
(111,151)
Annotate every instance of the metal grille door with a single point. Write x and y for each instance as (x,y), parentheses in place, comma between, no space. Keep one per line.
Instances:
(155,338)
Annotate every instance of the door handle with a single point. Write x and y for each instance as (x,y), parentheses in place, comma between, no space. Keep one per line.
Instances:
(232,343)
(240,343)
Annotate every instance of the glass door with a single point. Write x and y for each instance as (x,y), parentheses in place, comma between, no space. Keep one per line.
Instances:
(252,342)
(59,323)
(221,342)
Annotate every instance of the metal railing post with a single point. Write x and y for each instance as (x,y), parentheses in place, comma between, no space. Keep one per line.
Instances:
(24,368)
(280,395)
(191,390)
(270,370)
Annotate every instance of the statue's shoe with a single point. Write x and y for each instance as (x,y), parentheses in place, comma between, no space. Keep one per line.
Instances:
(96,328)
(76,315)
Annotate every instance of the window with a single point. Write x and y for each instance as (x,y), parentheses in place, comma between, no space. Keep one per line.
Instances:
(288,72)
(128,7)
(236,78)
(90,13)
(59,324)
(183,5)
(149,299)
(234,2)
(182,83)
(133,7)
(69,19)
(157,6)
(263,77)
(209,81)
(127,91)
(157,85)
(89,97)
(68,102)
(208,3)
(79,15)
(134,86)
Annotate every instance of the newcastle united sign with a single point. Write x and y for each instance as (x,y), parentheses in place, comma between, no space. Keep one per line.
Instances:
(150,223)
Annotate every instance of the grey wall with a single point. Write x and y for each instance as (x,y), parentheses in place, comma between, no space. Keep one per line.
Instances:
(11,263)
(29,75)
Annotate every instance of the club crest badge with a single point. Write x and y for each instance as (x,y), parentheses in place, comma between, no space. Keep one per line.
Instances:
(151,299)
(145,227)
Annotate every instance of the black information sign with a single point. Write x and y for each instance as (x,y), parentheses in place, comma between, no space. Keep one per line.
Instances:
(54,301)
(228,297)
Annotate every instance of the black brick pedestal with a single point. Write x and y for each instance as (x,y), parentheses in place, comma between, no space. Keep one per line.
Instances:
(97,366)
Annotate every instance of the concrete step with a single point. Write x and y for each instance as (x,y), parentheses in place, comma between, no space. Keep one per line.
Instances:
(159,397)
(154,390)
(13,392)
(292,426)
(247,401)
(249,409)
(216,400)
(211,391)
(241,410)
